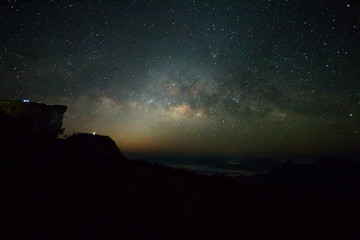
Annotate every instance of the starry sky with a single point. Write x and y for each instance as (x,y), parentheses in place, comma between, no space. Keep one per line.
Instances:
(216,77)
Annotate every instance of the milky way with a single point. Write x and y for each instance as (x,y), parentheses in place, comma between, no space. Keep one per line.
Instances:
(227,77)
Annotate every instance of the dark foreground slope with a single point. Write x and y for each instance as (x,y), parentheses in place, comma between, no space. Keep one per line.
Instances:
(83,188)
(333,177)
(65,190)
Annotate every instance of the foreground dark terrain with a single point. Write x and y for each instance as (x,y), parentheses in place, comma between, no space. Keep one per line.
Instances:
(55,191)
(84,188)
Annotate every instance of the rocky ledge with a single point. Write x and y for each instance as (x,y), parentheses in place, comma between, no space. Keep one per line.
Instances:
(23,118)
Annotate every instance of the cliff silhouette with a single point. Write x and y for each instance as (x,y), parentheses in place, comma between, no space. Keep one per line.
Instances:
(30,119)
(83,187)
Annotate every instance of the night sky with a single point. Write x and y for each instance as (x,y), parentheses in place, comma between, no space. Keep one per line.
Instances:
(215,77)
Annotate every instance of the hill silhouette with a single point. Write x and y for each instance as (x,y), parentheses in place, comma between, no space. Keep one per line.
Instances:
(82,187)
(90,143)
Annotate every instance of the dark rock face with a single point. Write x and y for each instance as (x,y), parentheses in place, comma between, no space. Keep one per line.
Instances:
(32,128)
(29,119)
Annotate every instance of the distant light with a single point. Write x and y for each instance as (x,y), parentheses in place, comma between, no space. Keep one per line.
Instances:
(94,133)
(351,115)
(25,100)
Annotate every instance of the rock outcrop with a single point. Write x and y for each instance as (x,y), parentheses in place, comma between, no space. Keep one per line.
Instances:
(29,119)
